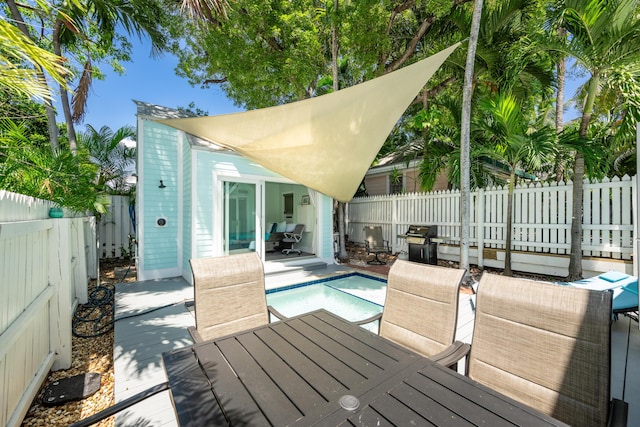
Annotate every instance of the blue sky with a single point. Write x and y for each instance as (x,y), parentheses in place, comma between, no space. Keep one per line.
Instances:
(151,80)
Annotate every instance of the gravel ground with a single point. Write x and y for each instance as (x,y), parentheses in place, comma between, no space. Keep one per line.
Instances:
(88,355)
(96,354)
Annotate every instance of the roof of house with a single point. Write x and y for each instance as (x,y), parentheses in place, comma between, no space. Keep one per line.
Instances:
(152,112)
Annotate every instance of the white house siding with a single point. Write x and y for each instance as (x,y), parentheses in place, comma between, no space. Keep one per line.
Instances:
(325,222)
(376,185)
(160,157)
(187,195)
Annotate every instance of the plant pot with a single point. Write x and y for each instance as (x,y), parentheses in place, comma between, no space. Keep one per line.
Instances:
(56,213)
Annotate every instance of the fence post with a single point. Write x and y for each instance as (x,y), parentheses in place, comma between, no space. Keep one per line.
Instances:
(79,262)
(394,224)
(480,226)
(60,308)
(91,246)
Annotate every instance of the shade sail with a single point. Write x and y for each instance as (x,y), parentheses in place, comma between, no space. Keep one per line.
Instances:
(326,143)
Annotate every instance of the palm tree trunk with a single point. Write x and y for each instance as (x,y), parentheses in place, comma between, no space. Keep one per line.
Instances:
(509,234)
(342,256)
(64,96)
(48,106)
(465,136)
(575,258)
(561,69)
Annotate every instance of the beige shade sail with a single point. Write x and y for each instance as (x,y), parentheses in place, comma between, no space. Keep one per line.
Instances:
(326,143)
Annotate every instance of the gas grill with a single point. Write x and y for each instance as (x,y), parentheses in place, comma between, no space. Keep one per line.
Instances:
(422,247)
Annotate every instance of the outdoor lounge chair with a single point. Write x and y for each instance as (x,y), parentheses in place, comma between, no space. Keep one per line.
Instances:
(229,295)
(292,238)
(421,309)
(547,346)
(623,286)
(375,244)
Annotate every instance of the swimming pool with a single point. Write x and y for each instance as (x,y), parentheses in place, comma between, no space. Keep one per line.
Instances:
(354,297)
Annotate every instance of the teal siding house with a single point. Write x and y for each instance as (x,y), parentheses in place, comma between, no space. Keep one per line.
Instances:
(195,199)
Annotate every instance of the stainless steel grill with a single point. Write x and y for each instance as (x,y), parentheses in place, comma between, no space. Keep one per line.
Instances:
(422,248)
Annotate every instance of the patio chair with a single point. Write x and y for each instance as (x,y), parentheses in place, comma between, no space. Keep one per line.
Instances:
(292,238)
(375,244)
(421,309)
(547,346)
(229,295)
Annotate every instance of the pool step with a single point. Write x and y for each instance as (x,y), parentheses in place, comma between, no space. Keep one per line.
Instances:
(285,268)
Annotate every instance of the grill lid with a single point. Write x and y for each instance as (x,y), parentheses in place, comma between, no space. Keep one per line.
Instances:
(424,231)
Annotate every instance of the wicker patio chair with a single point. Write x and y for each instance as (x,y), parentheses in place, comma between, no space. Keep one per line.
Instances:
(421,309)
(547,346)
(229,295)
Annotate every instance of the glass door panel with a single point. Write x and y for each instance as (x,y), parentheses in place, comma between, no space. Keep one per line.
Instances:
(239,219)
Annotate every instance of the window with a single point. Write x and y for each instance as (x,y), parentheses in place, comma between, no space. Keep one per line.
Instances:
(288,205)
(396,184)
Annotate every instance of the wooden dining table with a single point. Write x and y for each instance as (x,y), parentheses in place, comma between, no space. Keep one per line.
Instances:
(320,369)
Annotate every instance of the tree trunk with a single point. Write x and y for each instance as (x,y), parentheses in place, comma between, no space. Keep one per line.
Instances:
(509,234)
(64,96)
(342,256)
(561,75)
(465,136)
(51,112)
(575,259)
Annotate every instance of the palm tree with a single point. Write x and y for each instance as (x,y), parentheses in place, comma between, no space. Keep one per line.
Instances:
(109,152)
(465,135)
(16,49)
(86,30)
(603,37)
(509,141)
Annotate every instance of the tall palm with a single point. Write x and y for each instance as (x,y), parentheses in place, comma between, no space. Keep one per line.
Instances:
(72,29)
(603,37)
(465,132)
(509,141)
(83,30)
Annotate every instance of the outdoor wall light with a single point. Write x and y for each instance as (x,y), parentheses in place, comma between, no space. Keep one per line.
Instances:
(162,185)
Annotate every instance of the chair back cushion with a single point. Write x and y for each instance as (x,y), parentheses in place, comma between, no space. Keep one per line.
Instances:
(545,345)
(421,308)
(229,294)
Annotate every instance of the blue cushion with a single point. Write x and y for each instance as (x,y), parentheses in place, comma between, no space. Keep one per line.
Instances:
(613,276)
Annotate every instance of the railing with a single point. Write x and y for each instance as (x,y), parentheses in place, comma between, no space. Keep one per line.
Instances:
(541,219)
(45,265)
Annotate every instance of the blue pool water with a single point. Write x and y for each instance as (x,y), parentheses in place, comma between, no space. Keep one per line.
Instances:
(354,297)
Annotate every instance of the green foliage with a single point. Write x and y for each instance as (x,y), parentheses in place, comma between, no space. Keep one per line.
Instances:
(61,177)
(502,128)
(31,114)
(111,156)
(19,57)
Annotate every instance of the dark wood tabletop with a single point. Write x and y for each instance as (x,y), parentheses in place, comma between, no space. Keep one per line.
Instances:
(297,372)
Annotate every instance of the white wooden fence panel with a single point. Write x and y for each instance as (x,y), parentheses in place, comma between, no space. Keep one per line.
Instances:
(115,228)
(541,218)
(43,264)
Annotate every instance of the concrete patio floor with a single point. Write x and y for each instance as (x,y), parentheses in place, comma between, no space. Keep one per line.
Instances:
(154,319)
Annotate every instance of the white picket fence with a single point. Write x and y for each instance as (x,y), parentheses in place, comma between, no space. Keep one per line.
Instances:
(45,266)
(116,230)
(541,220)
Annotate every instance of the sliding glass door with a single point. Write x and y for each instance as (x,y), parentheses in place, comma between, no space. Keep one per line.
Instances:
(241,214)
